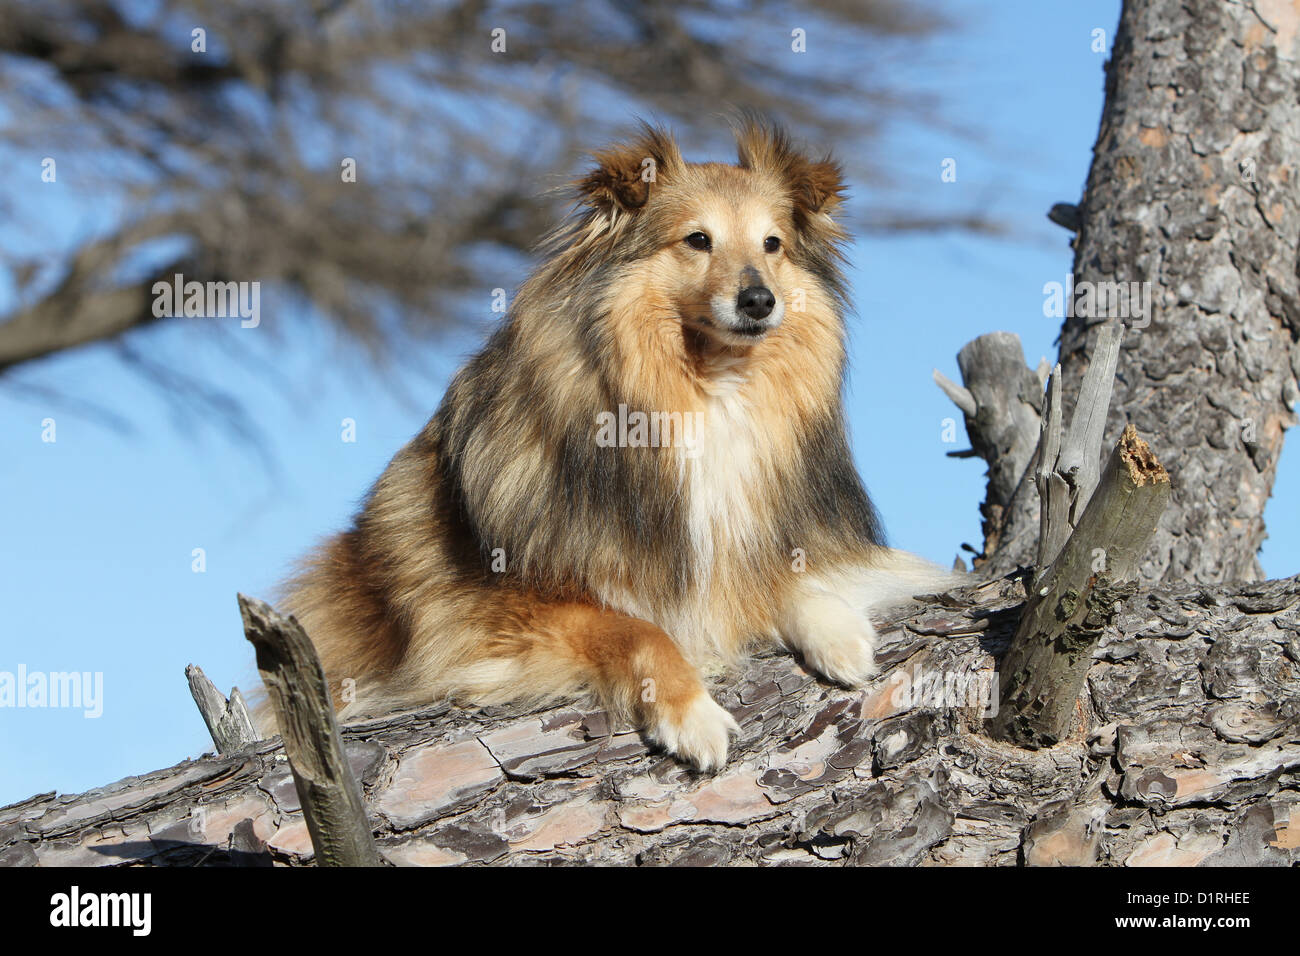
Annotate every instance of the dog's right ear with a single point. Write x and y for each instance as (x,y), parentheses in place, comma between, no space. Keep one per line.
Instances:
(627,172)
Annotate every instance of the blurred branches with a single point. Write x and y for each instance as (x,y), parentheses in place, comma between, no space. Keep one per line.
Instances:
(208,137)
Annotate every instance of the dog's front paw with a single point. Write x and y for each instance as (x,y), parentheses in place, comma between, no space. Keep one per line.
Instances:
(835,639)
(696,732)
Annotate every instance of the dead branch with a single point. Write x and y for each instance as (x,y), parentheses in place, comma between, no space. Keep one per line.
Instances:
(228,721)
(1002,400)
(1077,596)
(327,788)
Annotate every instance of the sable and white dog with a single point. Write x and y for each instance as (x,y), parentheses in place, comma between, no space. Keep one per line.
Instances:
(643,473)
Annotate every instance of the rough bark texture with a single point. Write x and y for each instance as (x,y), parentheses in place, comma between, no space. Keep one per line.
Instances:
(1193,189)
(1193,759)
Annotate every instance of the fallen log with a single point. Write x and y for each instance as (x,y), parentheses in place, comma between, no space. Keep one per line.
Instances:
(1193,759)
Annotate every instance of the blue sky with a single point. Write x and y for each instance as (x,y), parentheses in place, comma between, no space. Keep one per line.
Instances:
(100,527)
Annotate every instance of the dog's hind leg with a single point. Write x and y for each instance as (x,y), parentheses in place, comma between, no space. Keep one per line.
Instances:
(630,665)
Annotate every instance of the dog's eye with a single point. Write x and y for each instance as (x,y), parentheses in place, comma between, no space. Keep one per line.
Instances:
(698,240)
(771,244)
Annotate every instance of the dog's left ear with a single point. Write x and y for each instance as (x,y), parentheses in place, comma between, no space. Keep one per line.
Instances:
(626,174)
(816,186)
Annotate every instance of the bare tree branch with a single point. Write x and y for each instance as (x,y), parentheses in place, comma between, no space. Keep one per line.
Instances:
(233,151)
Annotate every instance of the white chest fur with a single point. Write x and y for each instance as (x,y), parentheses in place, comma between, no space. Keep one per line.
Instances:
(721,476)
(721,473)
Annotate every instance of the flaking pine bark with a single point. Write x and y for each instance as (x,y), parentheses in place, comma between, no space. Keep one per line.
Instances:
(1193,188)
(1191,757)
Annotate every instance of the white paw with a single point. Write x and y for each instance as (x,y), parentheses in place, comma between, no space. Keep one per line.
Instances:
(836,639)
(698,735)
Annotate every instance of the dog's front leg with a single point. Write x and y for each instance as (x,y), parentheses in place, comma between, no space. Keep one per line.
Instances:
(634,668)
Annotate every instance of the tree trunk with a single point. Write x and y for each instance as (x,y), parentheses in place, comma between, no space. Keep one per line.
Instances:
(1193,758)
(1193,188)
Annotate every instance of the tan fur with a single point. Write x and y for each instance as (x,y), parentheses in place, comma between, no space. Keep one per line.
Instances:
(628,568)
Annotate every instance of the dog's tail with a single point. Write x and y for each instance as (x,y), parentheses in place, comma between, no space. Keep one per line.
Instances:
(894,578)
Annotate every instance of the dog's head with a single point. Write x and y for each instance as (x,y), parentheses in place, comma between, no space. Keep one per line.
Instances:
(737,250)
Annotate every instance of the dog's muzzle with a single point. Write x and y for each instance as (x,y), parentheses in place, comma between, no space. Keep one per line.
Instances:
(756,311)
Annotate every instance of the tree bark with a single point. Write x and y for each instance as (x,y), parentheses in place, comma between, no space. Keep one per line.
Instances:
(1193,758)
(1193,189)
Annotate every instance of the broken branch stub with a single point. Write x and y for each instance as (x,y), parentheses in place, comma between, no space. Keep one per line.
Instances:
(1071,603)
(1002,399)
(1069,464)
(1053,491)
(327,788)
(1080,461)
(228,721)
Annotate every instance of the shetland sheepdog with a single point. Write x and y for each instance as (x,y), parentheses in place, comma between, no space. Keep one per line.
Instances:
(643,474)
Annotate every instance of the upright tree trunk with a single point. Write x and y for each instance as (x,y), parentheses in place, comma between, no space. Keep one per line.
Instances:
(1193,189)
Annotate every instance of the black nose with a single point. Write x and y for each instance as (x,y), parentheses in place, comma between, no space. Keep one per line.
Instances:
(757,302)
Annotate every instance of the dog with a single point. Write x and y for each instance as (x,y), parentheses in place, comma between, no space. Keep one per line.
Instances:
(642,475)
